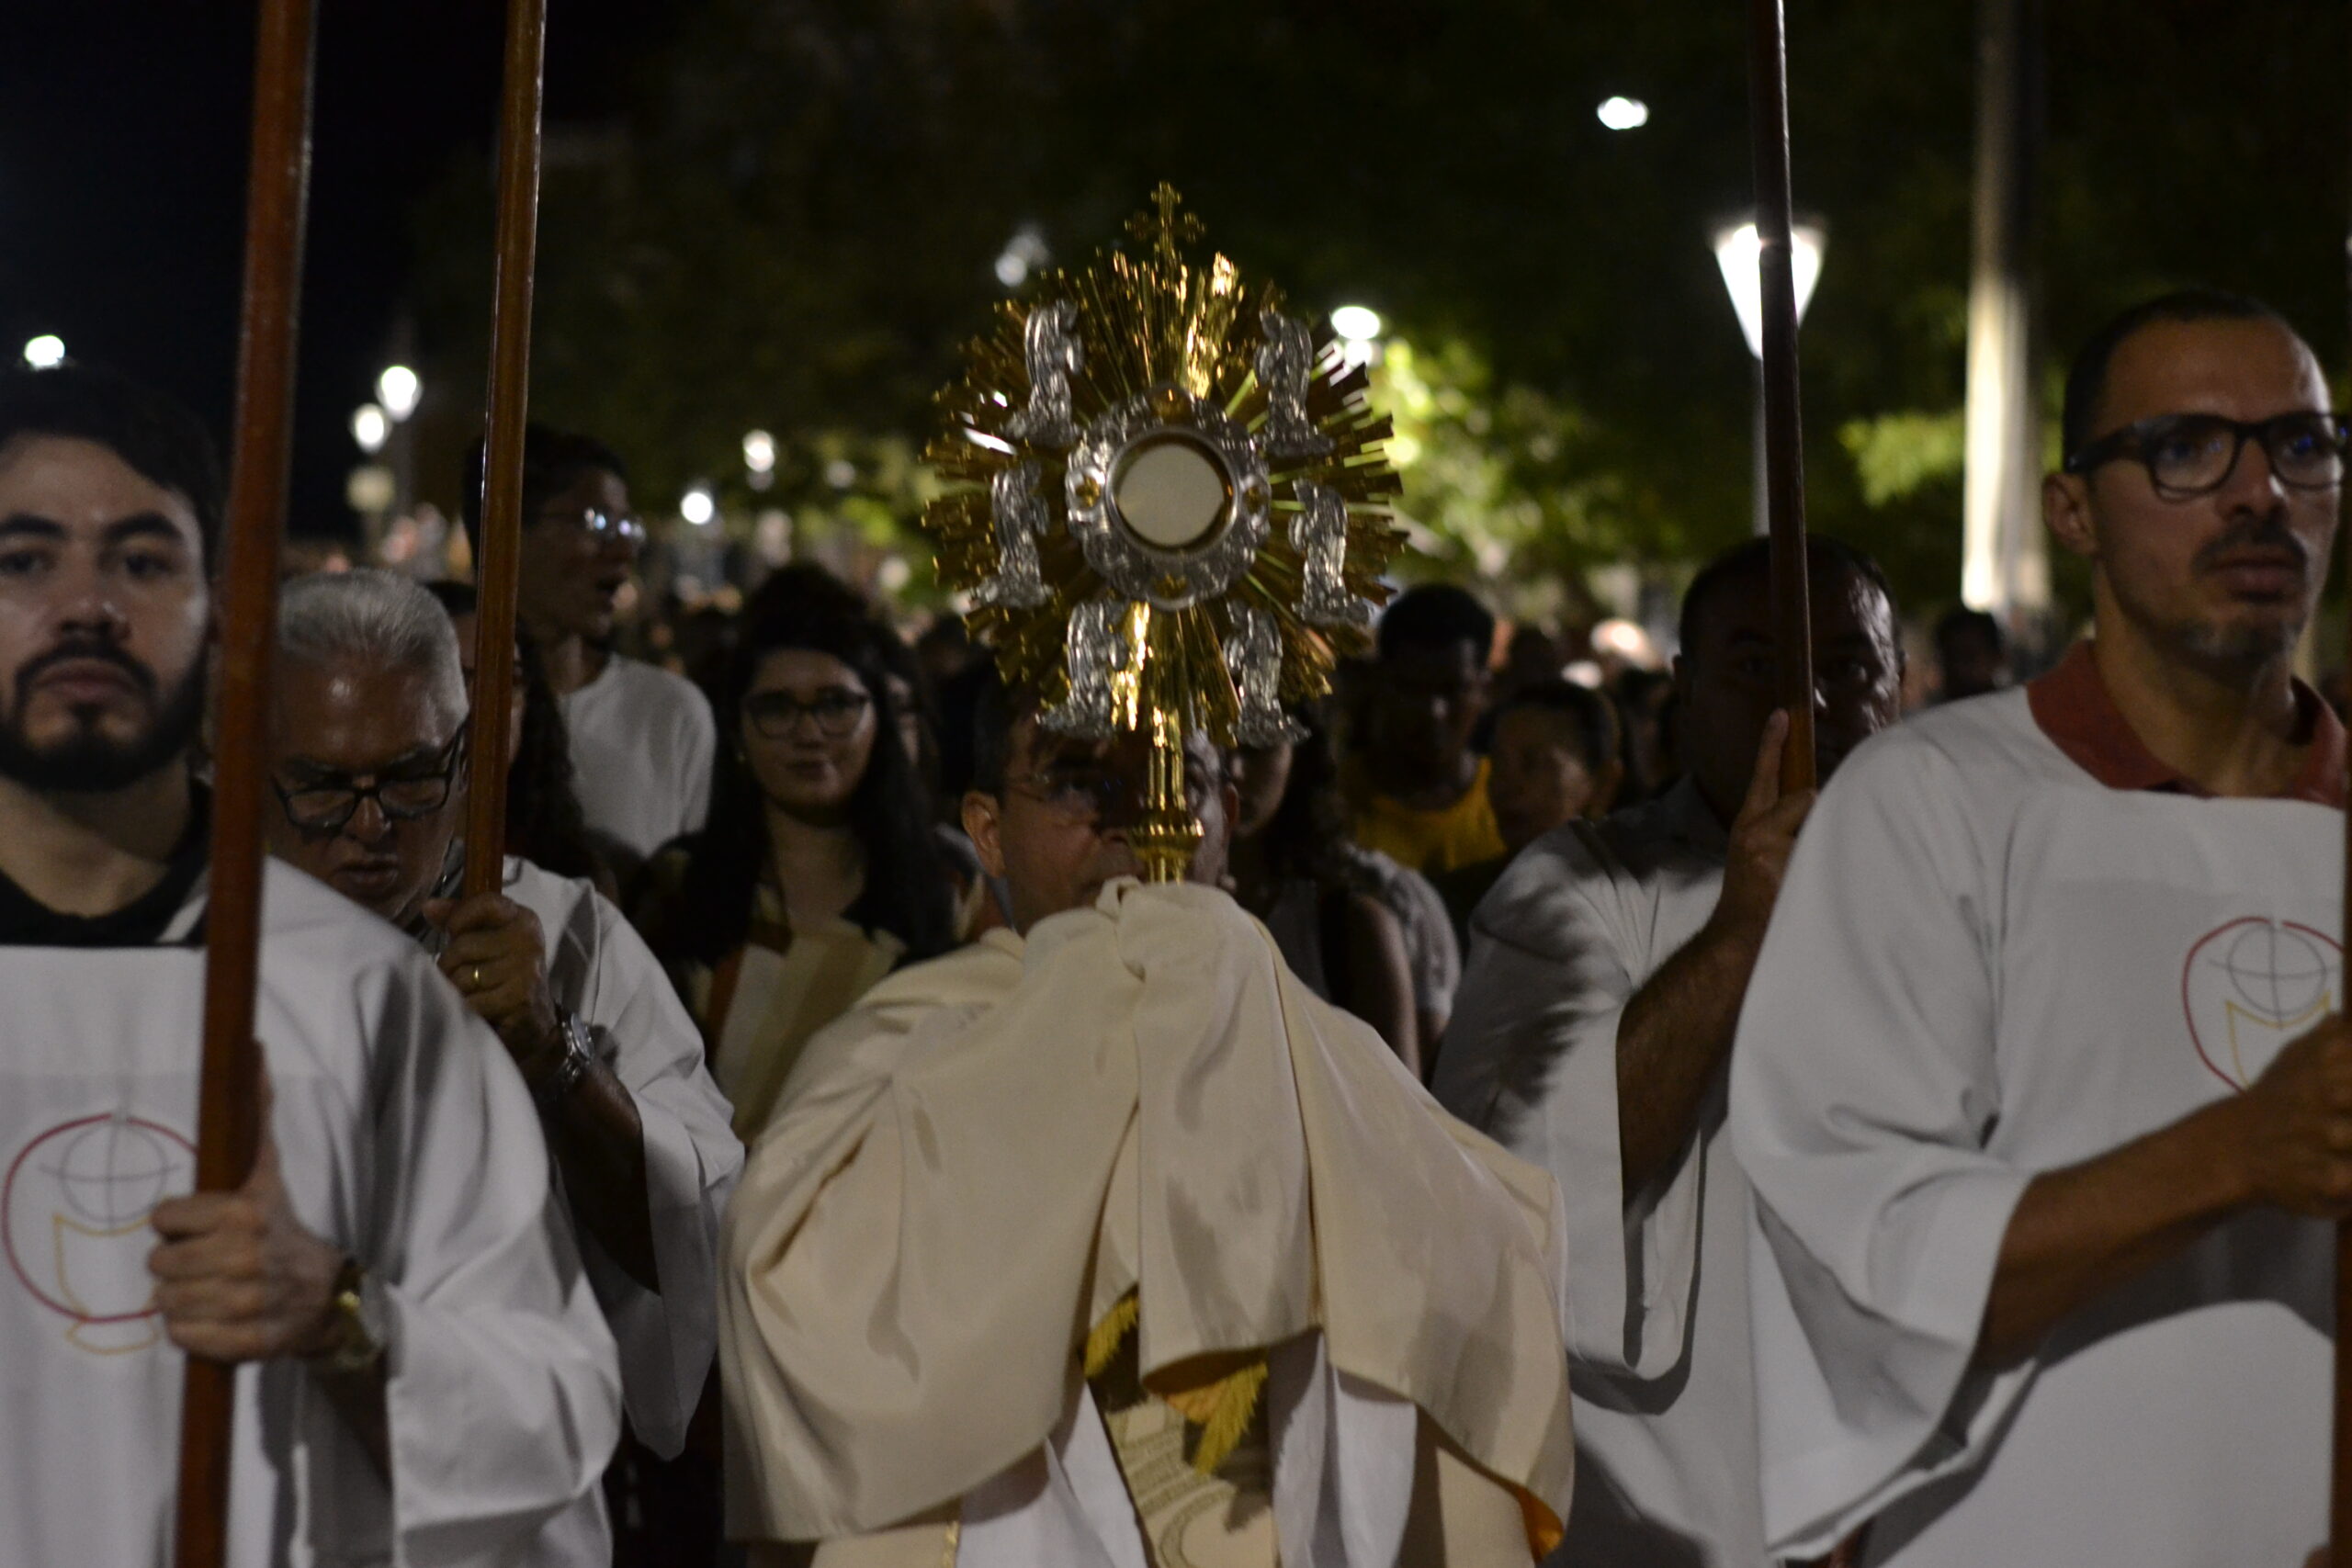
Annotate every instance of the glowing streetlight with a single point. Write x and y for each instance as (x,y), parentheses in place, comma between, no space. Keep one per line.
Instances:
(398,389)
(758,451)
(1739,252)
(697,507)
(1022,254)
(46,352)
(370,427)
(1622,114)
(1358,328)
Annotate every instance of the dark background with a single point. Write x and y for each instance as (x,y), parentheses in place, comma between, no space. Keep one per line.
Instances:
(782,214)
(123,138)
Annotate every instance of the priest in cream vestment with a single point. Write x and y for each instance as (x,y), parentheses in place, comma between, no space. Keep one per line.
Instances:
(1110,1244)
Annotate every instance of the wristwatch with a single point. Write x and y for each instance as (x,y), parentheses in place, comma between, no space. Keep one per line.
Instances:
(358,1333)
(571,1067)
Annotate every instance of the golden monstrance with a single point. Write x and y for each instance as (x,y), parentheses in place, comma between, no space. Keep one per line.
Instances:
(1171,505)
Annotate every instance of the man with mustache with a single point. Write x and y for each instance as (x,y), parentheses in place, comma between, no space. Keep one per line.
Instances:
(425,1374)
(2042,1082)
(1594,1035)
(368,756)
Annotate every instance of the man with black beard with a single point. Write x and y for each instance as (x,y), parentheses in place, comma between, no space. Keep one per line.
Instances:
(424,1375)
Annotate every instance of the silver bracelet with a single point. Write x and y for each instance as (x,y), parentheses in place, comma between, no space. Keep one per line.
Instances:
(577,1062)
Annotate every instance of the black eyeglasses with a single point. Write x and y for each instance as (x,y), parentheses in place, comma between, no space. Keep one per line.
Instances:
(836,712)
(326,803)
(1080,794)
(600,524)
(2190,454)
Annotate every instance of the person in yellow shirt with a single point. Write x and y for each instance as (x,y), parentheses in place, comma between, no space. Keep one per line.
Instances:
(1416,790)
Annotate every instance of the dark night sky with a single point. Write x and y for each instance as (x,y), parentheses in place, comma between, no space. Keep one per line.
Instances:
(123,137)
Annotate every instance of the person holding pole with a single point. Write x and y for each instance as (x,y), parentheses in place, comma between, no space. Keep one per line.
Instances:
(1593,1036)
(2042,1082)
(368,759)
(422,1370)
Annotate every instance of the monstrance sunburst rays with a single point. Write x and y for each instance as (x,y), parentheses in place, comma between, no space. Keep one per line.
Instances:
(1172,504)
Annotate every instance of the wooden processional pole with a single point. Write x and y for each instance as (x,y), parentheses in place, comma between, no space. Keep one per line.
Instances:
(510,391)
(1767,94)
(227,1100)
(2339,1501)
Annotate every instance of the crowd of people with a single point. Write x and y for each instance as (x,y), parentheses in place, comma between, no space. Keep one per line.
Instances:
(818,1143)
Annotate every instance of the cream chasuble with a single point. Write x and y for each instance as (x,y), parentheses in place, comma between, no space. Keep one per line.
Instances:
(990,1152)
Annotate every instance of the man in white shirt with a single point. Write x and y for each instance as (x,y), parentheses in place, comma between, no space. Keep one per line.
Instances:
(2042,1081)
(642,739)
(369,752)
(1605,976)
(424,1377)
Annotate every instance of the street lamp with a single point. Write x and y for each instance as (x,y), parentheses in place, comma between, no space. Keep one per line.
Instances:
(697,506)
(370,427)
(398,389)
(1739,252)
(1358,328)
(1022,254)
(1622,113)
(46,352)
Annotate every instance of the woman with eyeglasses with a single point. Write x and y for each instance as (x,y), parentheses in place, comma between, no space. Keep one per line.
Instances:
(819,872)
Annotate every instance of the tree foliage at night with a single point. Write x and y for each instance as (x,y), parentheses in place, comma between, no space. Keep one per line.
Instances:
(800,224)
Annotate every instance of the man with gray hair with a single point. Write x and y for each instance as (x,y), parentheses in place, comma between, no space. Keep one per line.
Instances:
(369,757)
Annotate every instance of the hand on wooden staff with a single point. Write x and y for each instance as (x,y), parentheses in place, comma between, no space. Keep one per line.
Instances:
(2294,1126)
(497,959)
(238,1276)
(1763,835)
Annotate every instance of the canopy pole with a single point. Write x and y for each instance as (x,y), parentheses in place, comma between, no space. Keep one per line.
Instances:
(228,1131)
(509,400)
(2339,1501)
(1768,91)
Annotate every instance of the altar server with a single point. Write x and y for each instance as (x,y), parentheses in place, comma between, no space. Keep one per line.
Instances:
(2042,1082)
(424,1376)
(368,751)
(1606,971)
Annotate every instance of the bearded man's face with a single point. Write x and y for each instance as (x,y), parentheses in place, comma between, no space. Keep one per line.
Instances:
(103,612)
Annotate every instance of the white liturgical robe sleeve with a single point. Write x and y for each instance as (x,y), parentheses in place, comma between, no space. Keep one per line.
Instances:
(1863,1084)
(1984,965)
(1558,948)
(601,970)
(405,1136)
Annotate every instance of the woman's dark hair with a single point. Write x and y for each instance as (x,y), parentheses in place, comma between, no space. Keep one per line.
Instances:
(908,890)
(545,823)
(1308,834)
